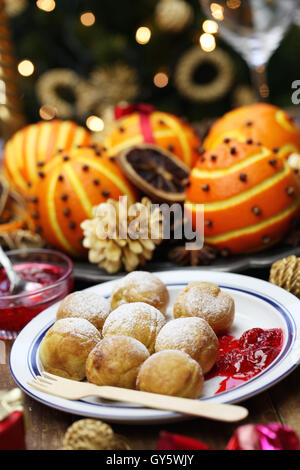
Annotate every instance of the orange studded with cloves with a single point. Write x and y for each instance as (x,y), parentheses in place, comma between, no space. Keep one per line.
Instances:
(71,184)
(162,129)
(259,123)
(250,196)
(31,148)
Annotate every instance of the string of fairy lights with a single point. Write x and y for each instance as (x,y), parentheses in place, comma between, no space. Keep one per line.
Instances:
(143,34)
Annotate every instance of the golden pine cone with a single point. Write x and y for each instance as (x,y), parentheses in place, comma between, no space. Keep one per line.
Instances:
(112,250)
(90,434)
(286,273)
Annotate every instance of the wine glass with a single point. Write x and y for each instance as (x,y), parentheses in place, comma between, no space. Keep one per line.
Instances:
(255,29)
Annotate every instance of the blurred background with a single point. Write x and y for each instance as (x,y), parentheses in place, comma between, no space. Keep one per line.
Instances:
(78,58)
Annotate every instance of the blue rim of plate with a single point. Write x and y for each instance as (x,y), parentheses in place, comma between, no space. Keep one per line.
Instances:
(291,333)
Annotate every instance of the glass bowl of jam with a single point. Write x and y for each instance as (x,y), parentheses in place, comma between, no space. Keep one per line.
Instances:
(51,272)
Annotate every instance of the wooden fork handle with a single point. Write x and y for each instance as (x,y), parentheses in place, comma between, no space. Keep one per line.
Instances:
(205,409)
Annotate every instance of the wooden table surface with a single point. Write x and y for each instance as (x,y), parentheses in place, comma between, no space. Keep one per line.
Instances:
(46,426)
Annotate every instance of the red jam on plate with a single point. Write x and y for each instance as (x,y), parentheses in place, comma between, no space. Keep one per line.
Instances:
(16,311)
(240,359)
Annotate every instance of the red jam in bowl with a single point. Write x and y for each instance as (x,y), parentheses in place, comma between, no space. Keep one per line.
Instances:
(17,310)
(240,359)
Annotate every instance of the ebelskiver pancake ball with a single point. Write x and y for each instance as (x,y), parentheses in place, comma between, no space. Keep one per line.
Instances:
(138,347)
(138,320)
(207,301)
(193,336)
(140,286)
(116,361)
(66,346)
(171,372)
(88,305)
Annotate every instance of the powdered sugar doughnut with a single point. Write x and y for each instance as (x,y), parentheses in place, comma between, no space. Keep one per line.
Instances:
(140,286)
(138,320)
(116,361)
(85,304)
(192,335)
(206,300)
(66,346)
(171,373)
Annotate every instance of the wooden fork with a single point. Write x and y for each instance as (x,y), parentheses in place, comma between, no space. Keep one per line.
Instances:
(73,390)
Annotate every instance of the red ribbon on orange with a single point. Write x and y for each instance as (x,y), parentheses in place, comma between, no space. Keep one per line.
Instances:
(144,110)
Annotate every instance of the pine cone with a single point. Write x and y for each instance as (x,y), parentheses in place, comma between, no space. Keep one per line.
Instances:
(293,239)
(21,239)
(286,273)
(184,257)
(90,434)
(115,245)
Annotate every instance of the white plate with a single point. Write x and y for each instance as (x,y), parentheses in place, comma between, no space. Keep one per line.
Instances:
(258,304)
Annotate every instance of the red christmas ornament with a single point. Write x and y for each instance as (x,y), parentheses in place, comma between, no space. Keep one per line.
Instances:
(264,437)
(272,436)
(168,441)
(12,432)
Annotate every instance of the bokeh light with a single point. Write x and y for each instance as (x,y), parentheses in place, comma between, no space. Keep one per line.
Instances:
(94,123)
(25,68)
(2,92)
(233,4)
(87,18)
(207,42)
(46,5)
(143,35)
(47,112)
(210,26)
(217,11)
(160,79)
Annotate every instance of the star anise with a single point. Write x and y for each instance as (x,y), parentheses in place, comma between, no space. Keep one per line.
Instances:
(184,257)
(293,238)
(202,128)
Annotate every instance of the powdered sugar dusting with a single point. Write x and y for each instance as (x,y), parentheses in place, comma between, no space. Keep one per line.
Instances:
(143,279)
(188,333)
(204,302)
(136,319)
(86,304)
(132,344)
(78,327)
(137,282)
(169,353)
(129,314)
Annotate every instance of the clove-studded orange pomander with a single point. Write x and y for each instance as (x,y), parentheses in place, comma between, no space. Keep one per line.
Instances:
(260,122)
(34,145)
(154,127)
(250,196)
(68,187)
